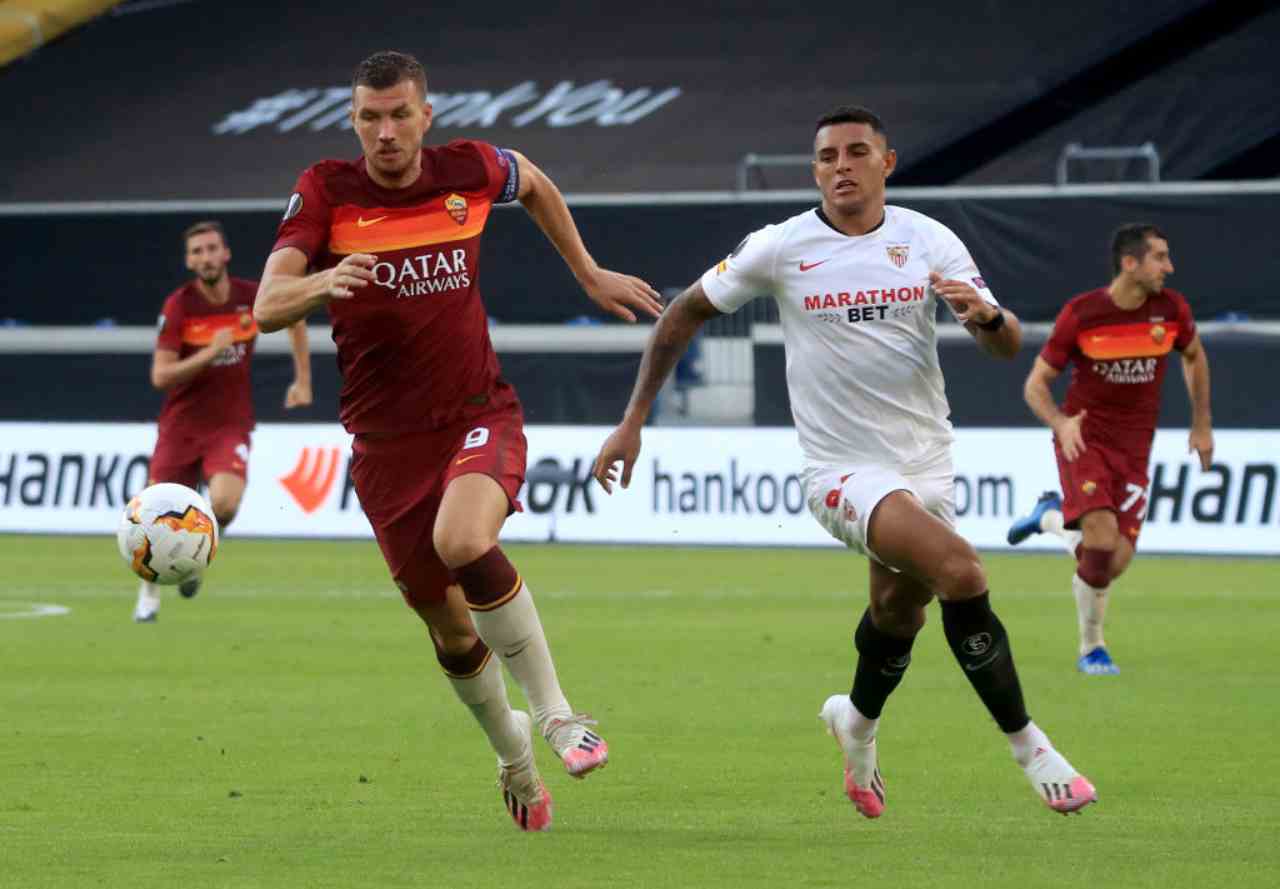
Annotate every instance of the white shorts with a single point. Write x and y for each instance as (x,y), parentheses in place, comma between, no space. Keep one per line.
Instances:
(842,498)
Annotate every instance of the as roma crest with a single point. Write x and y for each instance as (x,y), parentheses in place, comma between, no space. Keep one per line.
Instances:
(1158,333)
(898,254)
(456,204)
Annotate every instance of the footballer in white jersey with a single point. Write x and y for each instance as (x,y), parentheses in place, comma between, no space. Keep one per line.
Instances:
(857,284)
(858,320)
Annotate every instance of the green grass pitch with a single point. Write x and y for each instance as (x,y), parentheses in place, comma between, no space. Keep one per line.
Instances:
(290,728)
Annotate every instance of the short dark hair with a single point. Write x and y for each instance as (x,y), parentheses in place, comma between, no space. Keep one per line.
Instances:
(853,114)
(200,228)
(385,69)
(1131,240)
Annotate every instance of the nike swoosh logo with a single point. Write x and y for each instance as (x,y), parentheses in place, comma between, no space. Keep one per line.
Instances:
(365,223)
(462,460)
(987,662)
(812,265)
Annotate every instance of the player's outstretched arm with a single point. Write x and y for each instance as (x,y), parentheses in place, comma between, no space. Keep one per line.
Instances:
(618,294)
(168,371)
(299,392)
(1039,398)
(1195,371)
(287,294)
(669,340)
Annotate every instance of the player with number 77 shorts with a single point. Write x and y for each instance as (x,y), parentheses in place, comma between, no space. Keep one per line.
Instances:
(1117,340)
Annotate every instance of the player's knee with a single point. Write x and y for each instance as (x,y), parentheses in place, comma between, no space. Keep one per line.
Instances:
(458,548)
(1120,562)
(960,575)
(1094,567)
(1100,530)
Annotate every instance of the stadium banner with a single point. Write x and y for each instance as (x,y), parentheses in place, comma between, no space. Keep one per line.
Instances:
(726,486)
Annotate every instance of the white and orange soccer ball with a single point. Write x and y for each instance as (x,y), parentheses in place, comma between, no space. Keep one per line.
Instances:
(167,534)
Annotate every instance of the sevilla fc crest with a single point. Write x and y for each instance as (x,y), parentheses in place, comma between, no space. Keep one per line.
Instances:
(456,204)
(898,254)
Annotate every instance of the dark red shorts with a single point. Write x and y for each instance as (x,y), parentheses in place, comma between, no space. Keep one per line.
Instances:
(189,459)
(1102,478)
(401,482)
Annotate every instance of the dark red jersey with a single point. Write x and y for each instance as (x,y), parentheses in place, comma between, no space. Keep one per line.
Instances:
(218,398)
(1118,360)
(413,346)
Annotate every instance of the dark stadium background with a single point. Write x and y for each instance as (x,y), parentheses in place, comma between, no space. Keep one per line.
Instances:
(129,127)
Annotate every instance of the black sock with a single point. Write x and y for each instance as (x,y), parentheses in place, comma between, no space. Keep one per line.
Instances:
(980,644)
(882,659)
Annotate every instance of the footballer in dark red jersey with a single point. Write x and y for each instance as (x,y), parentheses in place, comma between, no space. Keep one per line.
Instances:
(390,243)
(1117,340)
(203,350)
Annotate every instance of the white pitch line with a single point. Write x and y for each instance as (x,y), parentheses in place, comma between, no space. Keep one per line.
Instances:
(36,610)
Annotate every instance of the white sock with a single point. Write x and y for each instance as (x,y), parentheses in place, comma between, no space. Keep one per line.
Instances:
(485,695)
(1051,523)
(1026,741)
(862,728)
(1091,610)
(515,634)
(148,600)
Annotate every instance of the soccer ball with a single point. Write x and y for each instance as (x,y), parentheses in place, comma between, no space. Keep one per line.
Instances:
(167,534)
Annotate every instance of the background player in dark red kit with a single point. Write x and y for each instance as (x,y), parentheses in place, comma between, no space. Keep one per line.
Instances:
(392,241)
(1117,340)
(201,361)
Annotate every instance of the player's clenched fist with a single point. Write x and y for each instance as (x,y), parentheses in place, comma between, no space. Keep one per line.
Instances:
(354,272)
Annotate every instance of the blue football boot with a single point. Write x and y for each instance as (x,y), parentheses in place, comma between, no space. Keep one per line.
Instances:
(1029,524)
(1097,663)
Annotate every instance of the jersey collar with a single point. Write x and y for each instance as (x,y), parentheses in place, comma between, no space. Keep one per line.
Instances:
(822,214)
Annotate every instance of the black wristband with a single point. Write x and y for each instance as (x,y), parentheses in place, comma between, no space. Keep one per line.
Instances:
(995,323)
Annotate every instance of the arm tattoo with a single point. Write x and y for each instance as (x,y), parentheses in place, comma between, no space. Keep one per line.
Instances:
(669,340)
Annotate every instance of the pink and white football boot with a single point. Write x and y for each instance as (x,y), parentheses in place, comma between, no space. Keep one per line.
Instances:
(527,799)
(1062,788)
(863,783)
(580,749)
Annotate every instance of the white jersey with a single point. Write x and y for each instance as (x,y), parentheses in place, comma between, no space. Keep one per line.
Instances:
(858,321)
